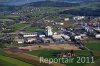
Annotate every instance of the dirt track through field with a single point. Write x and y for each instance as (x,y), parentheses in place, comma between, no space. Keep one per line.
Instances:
(96,53)
(53,47)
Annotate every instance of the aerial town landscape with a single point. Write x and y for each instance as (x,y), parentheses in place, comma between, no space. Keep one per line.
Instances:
(31,30)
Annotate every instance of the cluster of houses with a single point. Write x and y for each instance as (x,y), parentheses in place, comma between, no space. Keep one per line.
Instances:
(42,37)
(48,36)
(75,18)
(64,35)
(93,31)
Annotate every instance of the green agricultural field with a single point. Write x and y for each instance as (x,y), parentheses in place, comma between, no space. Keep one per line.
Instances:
(53,54)
(4,20)
(94,5)
(7,61)
(33,29)
(17,26)
(9,17)
(94,46)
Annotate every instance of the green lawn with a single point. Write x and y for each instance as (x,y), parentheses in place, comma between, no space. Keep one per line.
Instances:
(7,61)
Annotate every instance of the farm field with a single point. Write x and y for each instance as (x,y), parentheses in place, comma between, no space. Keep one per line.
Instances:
(95,47)
(7,61)
(52,54)
(33,29)
(48,53)
(9,17)
(17,26)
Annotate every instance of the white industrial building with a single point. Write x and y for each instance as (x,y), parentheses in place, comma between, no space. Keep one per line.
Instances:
(97,36)
(25,34)
(66,19)
(49,31)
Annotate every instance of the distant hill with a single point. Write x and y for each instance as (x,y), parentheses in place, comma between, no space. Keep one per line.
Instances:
(83,12)
(16,2)
(52,4)
(21,2)
(78,1)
